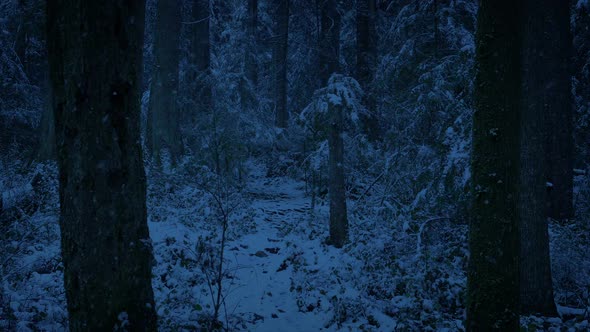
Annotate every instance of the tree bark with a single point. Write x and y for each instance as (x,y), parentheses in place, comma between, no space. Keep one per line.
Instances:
(560,145)
(581,69)
(200,57)
(47,135)
(95,57)
(536,286)
(280,63)
(163,121)
(366,59)
(337,188)
(493,276)
(329,42)
(251,27)
(249,81)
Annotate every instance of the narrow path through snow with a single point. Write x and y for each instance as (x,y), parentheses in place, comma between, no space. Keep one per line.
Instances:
(262,285)
(278,276)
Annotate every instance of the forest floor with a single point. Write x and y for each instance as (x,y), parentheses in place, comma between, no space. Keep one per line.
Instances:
(278,274)
(266,267)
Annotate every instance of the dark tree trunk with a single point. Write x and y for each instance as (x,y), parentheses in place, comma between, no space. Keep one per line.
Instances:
(493,276)
(329,42)
(581,68)
(536,286)
(163,121)
(329,63)
(280,63)
(366,59)
(251,49)
(560,145)
(95,56)
(249,81)
(47,135)
(337,189)
(200,58)
(21,41)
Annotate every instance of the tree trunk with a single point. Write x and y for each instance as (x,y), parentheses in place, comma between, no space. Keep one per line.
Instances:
(21,41)
(280,63)
(95,56)
(200,58)
(248,81)
(337,188)
(251,27)
(329,42)
(581,68)
(47,135)
(163,121)
(366,59)
(536,286)
(560,145)
(329,63)
(493,276)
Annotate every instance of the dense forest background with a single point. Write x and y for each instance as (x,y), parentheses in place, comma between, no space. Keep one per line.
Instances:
(237,129)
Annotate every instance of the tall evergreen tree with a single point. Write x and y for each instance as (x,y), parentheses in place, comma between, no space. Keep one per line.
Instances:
(536,286)
(95,57)
(366,59)
(329,41)
(251,28)
(337,185)
(163,121)
(329,61)
(199,58)
(493,276)
(249,81)
(280,62)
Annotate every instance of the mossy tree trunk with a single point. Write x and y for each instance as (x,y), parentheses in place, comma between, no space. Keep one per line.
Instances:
(95,57)
(493,276)
(163,120)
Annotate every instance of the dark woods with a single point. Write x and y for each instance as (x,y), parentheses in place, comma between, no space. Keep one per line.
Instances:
(377,164)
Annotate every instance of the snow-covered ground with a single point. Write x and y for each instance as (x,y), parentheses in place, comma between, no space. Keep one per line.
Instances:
(266,268)
(278,273)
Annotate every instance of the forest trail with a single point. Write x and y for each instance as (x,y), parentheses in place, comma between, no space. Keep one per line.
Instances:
(279,275)
(261,290)
(286,277)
